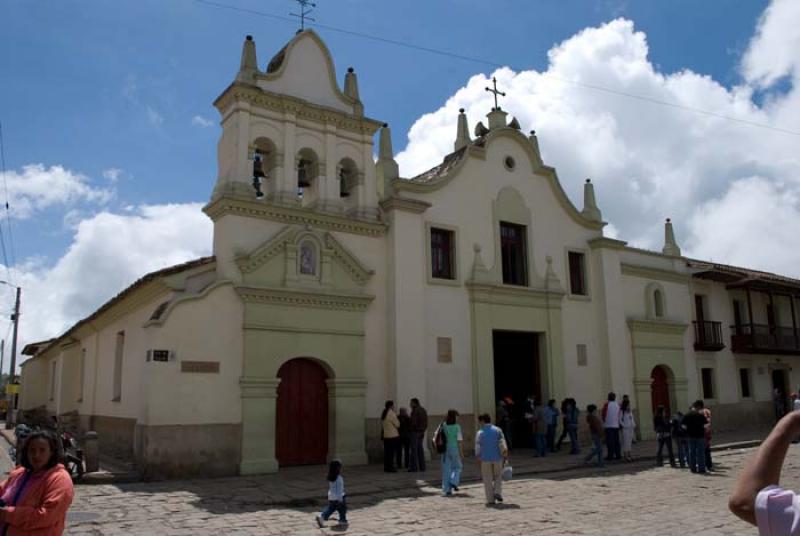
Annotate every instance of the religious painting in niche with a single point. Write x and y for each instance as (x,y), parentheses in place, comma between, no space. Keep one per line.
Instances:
(308,258)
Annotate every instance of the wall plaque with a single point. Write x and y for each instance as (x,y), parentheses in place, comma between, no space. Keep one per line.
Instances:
(207,367)
(583,359)
(161,355)
(444,349)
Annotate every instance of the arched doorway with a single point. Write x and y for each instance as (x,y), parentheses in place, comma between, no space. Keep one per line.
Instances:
(302,414)
(659,388)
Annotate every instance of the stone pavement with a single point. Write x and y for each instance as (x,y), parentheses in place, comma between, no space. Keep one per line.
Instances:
(634,499)
(555,495)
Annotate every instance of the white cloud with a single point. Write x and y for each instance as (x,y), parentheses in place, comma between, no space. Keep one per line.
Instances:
(109,252)
(153,116)
(648,161)
(773,52)
(112,174)
(37,188)
(200,121)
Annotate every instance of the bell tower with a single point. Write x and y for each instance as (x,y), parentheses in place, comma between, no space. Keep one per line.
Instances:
(293,138)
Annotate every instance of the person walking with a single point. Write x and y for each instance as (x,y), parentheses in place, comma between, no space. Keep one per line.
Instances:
(452,458)
(37,493)
(572,425)
(503,420)
(552,424)
(402,454)
(391,436)
(663,428)
(611,416)
(419,425)
(596,428)
(336,496)
(628,425)
(491,451)
(540,418)
(695,423)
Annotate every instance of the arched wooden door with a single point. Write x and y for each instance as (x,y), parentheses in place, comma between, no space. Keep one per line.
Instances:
(659,389)
(302,414)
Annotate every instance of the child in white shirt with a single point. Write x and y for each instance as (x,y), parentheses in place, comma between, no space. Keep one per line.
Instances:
(336,496)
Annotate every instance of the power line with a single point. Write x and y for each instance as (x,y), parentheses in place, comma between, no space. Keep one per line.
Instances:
(490,63)
(8,217)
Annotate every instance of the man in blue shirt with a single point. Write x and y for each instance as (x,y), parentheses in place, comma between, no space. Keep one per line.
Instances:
(491,450)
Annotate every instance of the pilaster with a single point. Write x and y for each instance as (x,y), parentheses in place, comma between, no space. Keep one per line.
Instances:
(259,396)
(346,402)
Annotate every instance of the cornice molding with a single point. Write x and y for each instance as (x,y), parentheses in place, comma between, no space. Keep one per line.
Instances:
(666,327)
(299,298)
(226,204)
(649,272)
(415,206)
(286,104)
(603,242)
(513,295)
(259,387)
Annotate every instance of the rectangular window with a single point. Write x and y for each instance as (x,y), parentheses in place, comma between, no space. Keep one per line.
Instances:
(53,380)
(514,254)
(744,380)
(737,316)
(81,374)
(118,351)
(577,273)
(707,375)
(442,254)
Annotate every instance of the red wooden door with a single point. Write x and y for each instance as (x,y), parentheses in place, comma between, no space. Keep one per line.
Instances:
(302,414)
(659,389)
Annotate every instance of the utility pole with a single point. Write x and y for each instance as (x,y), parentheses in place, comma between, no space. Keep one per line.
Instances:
(12,375)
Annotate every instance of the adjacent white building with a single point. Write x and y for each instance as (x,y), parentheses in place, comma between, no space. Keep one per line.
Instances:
(336,284)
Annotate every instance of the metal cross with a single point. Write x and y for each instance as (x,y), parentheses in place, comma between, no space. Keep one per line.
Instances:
(304,11)
(496,93)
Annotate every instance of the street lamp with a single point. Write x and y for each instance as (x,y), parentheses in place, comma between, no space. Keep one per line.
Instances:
(15,319)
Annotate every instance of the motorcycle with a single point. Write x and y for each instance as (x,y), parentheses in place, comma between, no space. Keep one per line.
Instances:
(73,456)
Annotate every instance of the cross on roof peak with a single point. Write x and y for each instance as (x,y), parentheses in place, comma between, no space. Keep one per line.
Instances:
(496,92)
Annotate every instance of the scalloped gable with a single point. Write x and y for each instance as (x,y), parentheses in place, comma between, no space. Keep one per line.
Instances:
(304,69)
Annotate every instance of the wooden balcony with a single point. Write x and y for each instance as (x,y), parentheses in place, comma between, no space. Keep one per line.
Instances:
(708,336)
(765,339)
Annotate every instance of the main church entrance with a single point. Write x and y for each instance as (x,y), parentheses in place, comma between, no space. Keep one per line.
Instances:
(517,374)
(302,414)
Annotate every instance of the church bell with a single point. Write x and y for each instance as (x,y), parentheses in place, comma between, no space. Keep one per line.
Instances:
(302,174)
(258,166)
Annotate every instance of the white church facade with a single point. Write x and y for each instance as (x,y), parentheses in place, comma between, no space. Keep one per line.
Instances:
(336,284)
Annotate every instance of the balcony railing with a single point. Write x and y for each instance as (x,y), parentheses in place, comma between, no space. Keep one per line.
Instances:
(764,339)
(708,336)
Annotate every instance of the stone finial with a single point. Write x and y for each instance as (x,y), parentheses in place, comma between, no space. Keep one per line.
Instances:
(462,131)
(249,64)
(535,143)
(514,124)
(670,245)
(590,210)
(551,279)
(480,274)
(386,167)
(351,85)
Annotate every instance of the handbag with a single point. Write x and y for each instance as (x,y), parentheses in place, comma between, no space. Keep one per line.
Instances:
(508,472)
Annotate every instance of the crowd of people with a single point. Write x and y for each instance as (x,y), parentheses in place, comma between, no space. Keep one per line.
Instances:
(533,425)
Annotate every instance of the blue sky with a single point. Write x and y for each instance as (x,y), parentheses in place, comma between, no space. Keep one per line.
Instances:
(94,85)
(110,133)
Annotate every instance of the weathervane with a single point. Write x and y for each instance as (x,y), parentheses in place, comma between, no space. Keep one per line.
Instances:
(304,11)
(490,90)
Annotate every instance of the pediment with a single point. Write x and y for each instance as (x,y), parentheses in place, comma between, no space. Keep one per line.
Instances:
(303,257)
(304,69)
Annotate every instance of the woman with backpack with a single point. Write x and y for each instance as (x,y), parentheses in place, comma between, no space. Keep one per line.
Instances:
(450,434)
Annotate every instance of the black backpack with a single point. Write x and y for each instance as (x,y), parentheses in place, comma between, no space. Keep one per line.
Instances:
(440,440)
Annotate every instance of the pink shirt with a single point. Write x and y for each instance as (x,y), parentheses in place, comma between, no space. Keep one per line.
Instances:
(777,512)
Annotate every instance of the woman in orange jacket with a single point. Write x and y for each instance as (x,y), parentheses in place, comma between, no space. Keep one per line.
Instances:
(36,495)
